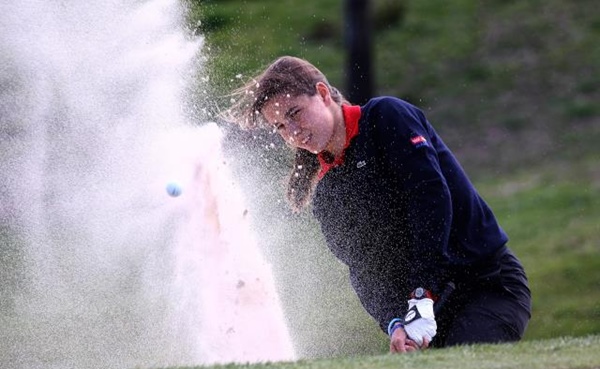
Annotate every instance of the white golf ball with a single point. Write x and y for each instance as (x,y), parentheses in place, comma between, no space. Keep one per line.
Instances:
(174,189)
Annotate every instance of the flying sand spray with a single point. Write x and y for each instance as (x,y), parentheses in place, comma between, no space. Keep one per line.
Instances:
(100,267)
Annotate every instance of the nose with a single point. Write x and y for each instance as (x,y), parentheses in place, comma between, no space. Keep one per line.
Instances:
(293,128)
(292,131)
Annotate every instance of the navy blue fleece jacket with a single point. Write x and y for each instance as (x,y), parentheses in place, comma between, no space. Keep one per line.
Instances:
(400,211)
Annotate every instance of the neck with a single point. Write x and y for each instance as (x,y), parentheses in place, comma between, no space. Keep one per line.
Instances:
(338,140)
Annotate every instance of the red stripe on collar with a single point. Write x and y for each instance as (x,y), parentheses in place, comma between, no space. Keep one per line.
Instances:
(351,117)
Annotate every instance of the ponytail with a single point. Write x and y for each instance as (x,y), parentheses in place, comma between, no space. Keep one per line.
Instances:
(303,179)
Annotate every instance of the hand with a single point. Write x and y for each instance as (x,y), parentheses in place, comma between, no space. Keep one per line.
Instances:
(419,322)
(400,343)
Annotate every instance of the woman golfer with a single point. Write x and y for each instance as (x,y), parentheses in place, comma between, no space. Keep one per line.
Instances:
(425,253)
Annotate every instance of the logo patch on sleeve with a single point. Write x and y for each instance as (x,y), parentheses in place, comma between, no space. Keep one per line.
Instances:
(418,141)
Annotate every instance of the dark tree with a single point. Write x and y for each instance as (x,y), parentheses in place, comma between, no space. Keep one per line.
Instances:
(359,86)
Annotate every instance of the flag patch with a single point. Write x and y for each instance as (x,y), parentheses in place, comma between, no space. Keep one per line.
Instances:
(418,141)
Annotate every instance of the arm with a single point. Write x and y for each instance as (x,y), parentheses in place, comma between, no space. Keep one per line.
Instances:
(381,291)
(407,143)
(383,280)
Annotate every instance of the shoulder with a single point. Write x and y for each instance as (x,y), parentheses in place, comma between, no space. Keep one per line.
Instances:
(390,105)
(391,113)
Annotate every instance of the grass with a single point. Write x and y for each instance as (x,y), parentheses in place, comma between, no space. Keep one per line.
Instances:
(559,353)
(553,217)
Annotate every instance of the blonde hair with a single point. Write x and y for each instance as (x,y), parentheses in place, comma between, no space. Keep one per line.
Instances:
(291,76)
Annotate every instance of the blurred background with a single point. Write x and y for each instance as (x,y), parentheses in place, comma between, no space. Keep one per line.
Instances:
(513,87)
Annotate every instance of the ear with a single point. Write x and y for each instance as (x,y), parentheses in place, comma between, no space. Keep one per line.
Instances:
(323,91)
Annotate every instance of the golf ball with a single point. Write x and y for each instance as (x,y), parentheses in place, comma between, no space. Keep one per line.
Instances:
(174,189)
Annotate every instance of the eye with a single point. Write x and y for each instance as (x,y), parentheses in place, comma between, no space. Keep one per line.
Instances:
(294,113)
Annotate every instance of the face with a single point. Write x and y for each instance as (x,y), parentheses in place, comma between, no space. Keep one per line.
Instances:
(302,121)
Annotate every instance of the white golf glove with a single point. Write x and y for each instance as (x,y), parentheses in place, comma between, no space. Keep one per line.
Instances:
(419,321)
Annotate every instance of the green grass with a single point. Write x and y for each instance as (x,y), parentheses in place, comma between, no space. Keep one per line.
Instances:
(553,218)
(560,353)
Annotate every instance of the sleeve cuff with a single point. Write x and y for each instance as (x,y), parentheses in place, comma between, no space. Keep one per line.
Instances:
(394,324)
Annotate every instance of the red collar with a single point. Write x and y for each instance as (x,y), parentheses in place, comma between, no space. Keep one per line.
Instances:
(351,117)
